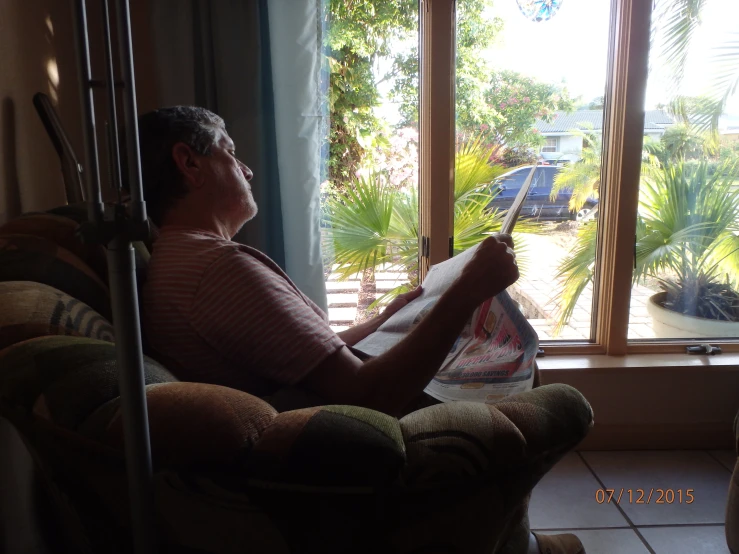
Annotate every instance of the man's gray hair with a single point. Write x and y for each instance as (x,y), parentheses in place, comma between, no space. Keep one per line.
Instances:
(159,131)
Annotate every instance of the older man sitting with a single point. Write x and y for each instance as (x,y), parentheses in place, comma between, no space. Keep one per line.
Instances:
(220,312)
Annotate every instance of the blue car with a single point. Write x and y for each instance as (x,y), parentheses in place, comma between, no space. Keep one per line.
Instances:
(538,204)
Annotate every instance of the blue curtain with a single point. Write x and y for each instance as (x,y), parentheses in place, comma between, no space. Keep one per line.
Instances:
(295,30)
(257,63)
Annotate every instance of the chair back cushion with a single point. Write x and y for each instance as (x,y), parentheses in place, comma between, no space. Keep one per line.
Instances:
(29,258)
(76,212)
(35,310)
(62,232)
(64,379)
(72,383)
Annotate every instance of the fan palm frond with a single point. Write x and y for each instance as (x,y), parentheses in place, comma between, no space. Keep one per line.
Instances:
(678,22)
(575,273)
(687,227)
(472,167)
(357,224)
(582,177)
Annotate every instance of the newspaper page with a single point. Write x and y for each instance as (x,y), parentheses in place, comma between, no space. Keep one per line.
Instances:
(493,356)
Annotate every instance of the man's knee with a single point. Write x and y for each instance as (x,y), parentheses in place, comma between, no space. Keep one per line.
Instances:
(550,414)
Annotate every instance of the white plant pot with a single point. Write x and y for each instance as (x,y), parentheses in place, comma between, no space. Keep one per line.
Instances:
(668,324)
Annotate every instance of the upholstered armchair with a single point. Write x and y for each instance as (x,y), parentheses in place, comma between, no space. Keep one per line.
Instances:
(232,474)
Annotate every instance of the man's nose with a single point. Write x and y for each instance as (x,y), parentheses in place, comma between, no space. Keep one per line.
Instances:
(248,174)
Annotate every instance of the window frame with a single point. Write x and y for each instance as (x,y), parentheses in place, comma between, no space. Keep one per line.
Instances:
(623,133)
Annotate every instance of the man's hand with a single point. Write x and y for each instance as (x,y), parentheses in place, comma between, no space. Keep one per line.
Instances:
(400,301)
(491,270)
(508,239)
(359,332)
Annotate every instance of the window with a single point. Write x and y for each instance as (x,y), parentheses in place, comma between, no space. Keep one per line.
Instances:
(686,269)
(369,196)
(498,59)
(612,151)
(486,91)
(551,144)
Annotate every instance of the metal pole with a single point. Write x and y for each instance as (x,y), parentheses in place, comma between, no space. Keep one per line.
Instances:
(91,173)
(133,393)
(115,160)
(137,205)
(118,235)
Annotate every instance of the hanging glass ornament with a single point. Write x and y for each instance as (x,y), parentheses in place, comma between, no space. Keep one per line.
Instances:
(539,10)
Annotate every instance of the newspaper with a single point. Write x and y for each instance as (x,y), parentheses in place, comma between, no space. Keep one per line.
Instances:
(492,358)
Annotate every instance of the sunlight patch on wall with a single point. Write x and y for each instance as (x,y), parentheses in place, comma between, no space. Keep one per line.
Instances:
(52,71)
(49,33)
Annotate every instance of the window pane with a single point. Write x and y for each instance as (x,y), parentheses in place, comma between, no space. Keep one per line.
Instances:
(685,280)
(369,194)
(531,93)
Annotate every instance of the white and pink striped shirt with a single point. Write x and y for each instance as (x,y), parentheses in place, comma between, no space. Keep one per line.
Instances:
(216,311)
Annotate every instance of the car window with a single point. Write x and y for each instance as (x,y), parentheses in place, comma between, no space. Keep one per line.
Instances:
(540,177)
(514,180)
(543,178)
(549,173)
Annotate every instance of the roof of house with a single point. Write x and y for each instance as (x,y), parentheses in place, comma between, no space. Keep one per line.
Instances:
(593,120)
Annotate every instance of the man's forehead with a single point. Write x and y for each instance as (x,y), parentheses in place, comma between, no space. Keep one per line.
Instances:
(222,139)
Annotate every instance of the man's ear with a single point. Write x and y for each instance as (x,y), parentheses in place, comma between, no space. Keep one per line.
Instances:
(188,164)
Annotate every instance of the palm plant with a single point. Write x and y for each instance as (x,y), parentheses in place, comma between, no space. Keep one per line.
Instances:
(685,237)
(582,177)
(357,224)
(678,22)
(374,224)
(689,218)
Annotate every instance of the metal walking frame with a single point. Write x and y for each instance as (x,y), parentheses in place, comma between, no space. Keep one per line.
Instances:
(117,227)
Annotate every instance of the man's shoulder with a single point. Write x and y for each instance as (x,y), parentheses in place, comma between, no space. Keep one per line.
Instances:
(183,257)
(201,248)
(182,253)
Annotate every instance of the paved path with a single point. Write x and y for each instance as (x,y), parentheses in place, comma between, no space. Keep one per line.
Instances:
(536,291)
(344,295)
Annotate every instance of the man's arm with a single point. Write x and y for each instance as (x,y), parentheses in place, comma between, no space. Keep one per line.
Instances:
(391,381)
(354,334)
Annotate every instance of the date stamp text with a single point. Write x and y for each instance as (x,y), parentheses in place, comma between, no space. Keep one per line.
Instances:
(645,496)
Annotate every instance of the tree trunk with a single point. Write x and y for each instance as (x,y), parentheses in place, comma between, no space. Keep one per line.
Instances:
(367,293)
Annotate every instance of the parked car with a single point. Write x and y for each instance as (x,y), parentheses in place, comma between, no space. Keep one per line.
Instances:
(538,204)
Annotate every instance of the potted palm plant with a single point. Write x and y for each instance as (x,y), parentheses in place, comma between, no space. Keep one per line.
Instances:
(686,238)
(687,241)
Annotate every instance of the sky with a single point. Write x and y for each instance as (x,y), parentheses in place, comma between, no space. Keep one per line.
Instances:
(572,49)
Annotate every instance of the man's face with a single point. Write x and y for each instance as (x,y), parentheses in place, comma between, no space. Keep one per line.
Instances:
(228,179)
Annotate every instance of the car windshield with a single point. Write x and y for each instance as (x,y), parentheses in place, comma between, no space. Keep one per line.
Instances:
(543,178)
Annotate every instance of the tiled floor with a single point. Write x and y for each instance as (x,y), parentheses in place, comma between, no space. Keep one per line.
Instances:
(568,500)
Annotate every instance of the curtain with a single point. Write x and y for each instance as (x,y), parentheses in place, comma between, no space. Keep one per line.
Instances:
(257,64)
(295,32)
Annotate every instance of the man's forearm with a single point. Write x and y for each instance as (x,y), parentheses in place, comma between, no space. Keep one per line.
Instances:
(354,334)
(396,377)
(391,381)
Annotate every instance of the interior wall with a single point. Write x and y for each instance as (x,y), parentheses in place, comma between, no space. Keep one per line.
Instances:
(37,54)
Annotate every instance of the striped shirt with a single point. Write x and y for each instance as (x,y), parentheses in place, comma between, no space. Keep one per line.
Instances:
(216,311)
